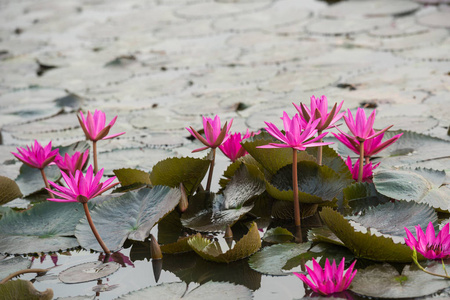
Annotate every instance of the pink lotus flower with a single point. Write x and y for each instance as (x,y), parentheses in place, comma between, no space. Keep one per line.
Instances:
(428,244)
(94,126)
(367,170)
(81,188)
(37,156)
(69,164)
(360,127)
(371,146)
(232,147)
(298,135)
(329,280)
(215,135)
(319,111)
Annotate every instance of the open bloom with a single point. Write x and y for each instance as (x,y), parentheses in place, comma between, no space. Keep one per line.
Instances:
(94,126)
(298,135)
(367,170)
(232,147)
(37,156)
(69,164)
(319,111)
(215,135)
(371,146)
(330,279)
(428,244)
(81,188)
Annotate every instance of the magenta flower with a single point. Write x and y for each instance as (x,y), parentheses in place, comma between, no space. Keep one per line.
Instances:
(371,146)
(319,111)
(232,147)
(94,126)
(298,135)
(37,156)
(69,164)
(81,188)
(428,244)
(215,135)
(367,170)
(329,280)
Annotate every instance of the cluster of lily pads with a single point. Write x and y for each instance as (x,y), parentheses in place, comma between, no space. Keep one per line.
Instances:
(356,216)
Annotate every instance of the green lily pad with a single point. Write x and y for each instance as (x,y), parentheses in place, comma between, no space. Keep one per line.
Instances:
(272,259)
(9,190)
(278,235)
(23,289)
(324,234)
(131,216)
(128,177)
(180,246)
(365,245)
(284,210)
(420,185)
(177,290)
(316,183)
(46,227)
(331,159)
(384,281)
(213,212)
(246,246)
(173,171)
(14,264)
(363,194)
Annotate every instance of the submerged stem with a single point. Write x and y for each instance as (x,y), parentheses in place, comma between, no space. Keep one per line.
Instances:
(295,188)
(46,183)
(94,150)
(94,230)
(211,169)
(361,161)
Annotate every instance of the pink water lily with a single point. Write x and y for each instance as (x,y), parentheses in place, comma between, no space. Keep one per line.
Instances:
(232,147)
(367,170)
(36,156)
(428,244)
(371,146)
(318,110)
(215,135)
(70,164)
(81,188)
(330,279)
(94,126)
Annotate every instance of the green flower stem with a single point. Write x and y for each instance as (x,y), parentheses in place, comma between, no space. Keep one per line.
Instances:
(11,276)
(361,161)
(211,169)
(94,230)
(94,150)
(295,188)
(319,150)
(414,257)
(46,183)
(443,266)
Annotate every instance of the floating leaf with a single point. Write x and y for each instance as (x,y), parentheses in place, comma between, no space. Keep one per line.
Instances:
(284,210)
(177,290)
(249,244)
(272,259)
(88,271)
(46,227)
(324,234)
(361,195)
(420,185)
(9,190)
(179,246)
(23,289)
(128,177)
(30,179)
(14,264)
(365,245)
(278,235)
(173,171)
(131,216)
(331,159)
(384,281)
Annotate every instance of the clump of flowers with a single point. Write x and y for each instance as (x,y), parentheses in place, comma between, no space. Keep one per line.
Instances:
(330,279)
(71,163)
(367,170)
(428,244)
(232,147)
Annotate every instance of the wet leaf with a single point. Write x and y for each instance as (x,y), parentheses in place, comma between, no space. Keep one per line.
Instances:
(176,290)
(88,271)
(14,264)
(180,246)
(23,289)
(9,190)
(131,216)
(272,259)
(361,195)
(47,226)
(246,246)
(278,235)
(419,185)
(128,177)
(324,234)
(173,171)
(385,281)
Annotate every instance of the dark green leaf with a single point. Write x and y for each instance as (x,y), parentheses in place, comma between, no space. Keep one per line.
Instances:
(8,190)
(128,177)
(23,289)
(278,235)
(361,195)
